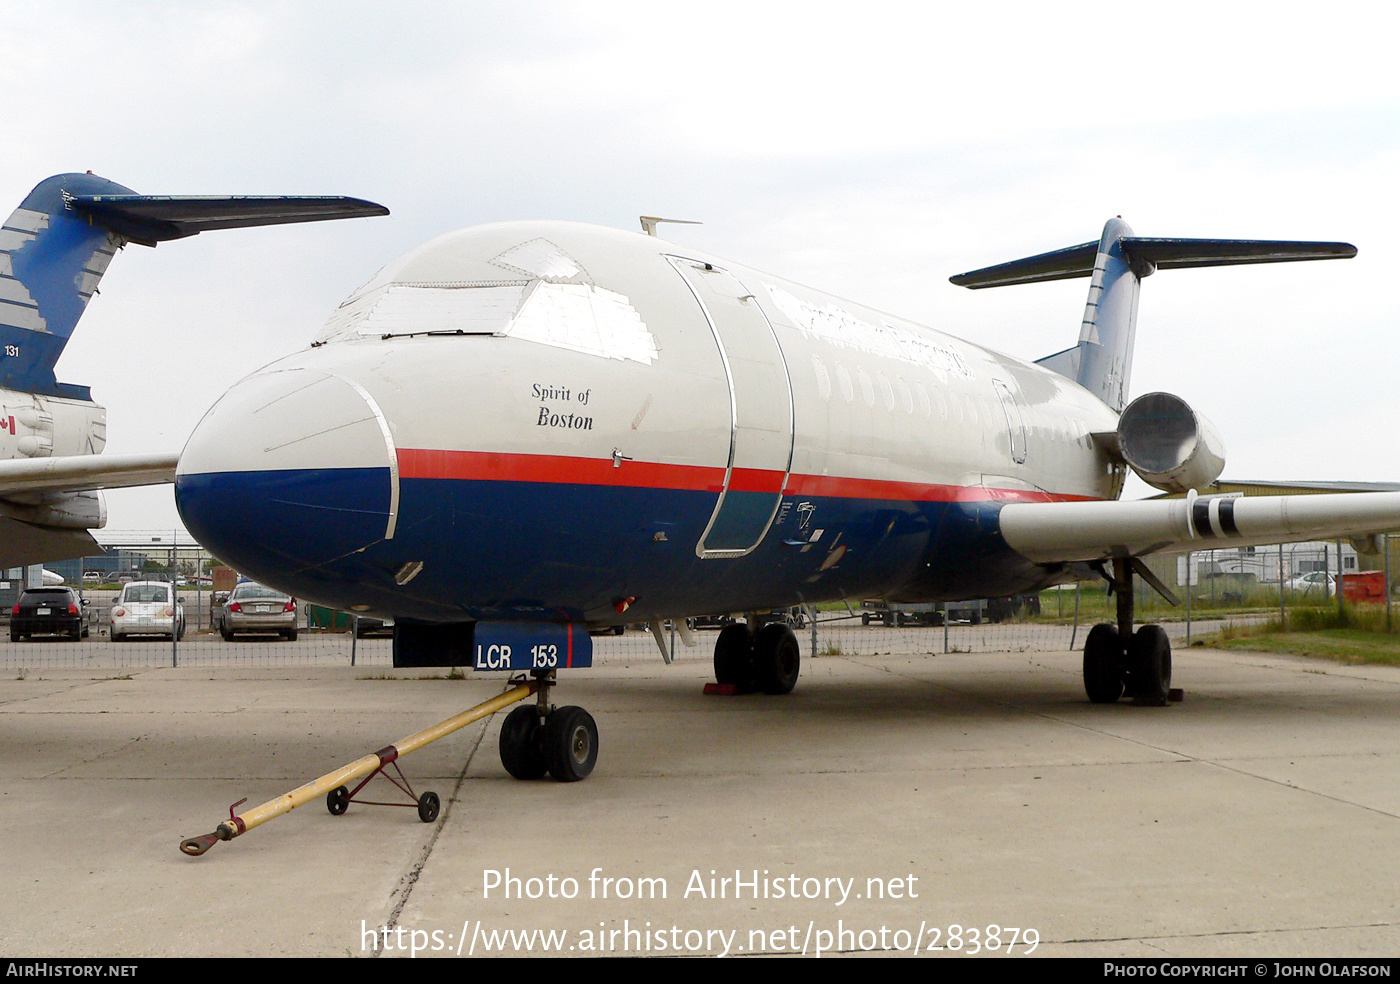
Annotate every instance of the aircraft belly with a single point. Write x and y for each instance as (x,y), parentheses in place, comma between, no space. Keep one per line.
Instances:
(264,522)
(578,550)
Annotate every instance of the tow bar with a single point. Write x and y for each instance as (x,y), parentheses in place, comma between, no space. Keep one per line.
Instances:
(334,785)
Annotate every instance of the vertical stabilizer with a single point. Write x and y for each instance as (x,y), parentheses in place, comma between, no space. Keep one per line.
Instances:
(56,246)
(1116,264)
(51,260)
(1110,319)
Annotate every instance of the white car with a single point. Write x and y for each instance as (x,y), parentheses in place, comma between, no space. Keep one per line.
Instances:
(1314,582)
(147,608)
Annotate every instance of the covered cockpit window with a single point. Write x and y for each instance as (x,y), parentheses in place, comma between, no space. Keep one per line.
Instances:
(578,317)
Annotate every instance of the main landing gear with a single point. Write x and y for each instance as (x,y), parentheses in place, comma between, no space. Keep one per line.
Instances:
(1119,661)
(768,659)
(537,738)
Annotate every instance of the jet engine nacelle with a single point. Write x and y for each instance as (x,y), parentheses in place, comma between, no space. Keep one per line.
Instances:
(1169,445)
(44,427)
(58,510)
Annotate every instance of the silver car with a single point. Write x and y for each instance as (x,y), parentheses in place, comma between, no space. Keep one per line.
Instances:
(147,608)
(256,608)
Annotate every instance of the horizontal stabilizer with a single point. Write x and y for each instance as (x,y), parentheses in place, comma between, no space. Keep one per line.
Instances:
(1146,255)
(1176,254)
(1062,264)
(149,219)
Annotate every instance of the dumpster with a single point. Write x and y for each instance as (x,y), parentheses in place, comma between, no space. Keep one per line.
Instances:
(1364,586)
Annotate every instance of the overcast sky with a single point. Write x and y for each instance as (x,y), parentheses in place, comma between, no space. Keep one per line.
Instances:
(871,150)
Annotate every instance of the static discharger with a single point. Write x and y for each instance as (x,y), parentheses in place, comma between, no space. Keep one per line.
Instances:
(332,784)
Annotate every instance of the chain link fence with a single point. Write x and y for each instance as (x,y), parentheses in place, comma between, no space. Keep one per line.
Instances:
(1213,588)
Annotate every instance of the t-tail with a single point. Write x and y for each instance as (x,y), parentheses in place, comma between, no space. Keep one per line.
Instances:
(53,251)
(1116,264)
(56,246)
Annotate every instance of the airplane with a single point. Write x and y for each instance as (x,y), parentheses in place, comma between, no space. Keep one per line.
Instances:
(54,250)
(519,431)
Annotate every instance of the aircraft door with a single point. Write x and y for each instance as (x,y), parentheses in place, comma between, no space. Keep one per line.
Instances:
(1015,422)
(761,411)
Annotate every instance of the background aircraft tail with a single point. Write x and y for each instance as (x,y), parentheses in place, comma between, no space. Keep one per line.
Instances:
(1116,264)
(50,262)
(55,247)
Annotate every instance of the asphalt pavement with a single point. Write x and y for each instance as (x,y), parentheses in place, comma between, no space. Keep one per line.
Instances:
(937,804)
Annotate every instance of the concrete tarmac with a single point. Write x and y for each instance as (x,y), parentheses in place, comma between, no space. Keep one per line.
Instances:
(949,803)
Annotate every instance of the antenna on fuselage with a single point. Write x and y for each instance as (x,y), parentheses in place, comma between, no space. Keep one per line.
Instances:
(650,222)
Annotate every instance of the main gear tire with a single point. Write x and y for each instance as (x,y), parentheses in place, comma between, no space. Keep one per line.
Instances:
(734,656)
(1150,666)
(1103,664)
(777,659)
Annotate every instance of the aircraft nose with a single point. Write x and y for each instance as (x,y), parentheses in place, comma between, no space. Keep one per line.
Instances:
(290,470)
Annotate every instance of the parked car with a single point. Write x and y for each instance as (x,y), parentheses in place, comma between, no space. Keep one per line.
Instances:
(1001,609)
(147,608)
(255,609)
(712,621)
(794,617)
(48,611)
(1314,582)
(926,613)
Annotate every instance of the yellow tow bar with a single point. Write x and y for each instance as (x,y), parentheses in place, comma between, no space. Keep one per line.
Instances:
(236,825)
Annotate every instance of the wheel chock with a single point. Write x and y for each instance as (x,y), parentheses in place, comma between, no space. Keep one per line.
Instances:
(332,782)
(721,690)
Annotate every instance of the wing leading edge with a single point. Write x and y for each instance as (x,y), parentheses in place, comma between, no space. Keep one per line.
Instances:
(79,473)
(1066,532)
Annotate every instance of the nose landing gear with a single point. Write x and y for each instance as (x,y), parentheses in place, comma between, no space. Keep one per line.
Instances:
(538,738)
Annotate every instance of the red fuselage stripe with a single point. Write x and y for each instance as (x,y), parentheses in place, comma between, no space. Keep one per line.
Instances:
(493,466)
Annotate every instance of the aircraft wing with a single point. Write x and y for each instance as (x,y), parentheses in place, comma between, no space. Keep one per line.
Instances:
(78,473)
(1063,532)
(48,505)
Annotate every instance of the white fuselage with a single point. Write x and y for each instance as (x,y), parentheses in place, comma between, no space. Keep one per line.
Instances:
(734,419)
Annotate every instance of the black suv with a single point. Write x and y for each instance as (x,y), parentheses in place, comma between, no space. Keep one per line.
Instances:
(48,611)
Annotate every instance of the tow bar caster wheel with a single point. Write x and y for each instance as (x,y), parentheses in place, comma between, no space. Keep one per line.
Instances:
(428,806)
(338,800)
(520,743)
(570,743)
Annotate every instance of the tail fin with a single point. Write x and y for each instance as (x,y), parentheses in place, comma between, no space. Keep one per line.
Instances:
(50,263)
(57,244)
(1103,359)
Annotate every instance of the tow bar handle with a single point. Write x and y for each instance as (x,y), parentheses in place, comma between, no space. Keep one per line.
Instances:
(236,824)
